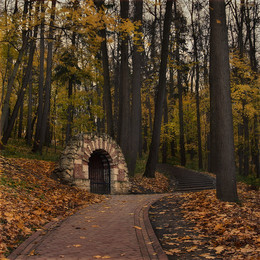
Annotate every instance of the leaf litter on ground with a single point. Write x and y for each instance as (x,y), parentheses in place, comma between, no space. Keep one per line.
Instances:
(29,199)
(158,184)
(203,227)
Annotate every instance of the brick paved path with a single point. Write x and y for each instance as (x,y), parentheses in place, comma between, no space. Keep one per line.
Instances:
(118,228)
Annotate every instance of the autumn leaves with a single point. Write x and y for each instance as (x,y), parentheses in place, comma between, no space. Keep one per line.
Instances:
(29,199)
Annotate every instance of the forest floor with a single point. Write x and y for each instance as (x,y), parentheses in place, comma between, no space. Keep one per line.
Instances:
(188,225)
(196,225)
(29,199)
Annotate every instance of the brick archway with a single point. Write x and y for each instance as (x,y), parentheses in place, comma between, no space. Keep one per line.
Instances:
(73,166)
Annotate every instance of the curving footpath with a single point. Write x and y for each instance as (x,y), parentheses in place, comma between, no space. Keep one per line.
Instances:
(118,228)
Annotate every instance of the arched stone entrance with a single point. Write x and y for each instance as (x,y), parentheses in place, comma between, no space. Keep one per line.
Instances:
(99,172)
(95,163)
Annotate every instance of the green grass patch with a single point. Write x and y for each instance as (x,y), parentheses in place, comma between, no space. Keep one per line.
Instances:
(140,165)
(251,180)
(17,148)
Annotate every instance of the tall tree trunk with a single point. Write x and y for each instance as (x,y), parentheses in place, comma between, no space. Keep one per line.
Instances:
(46,108)
(197,70)
(20,127)
(5,110)
(246,145)
(154,148)
(255,148)
(251,34)
(41,81)
(107,86)
(124,90)
(29,116)
(69,112)
(136,92)
(165,120)
(240,149)
(21,93)
(171,96)
(70,92)
(198,117)
(116,97)
(180,89)
(222,142)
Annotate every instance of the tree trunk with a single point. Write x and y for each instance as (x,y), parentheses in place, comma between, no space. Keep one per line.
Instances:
(69,112)
(136,92)
(154,148)
(246,145)
(46,107)
(222,142)
(4,116)
(180,88)
(165,142)
(20,127)
(29,117)
(251,34)
(255,148)
(25,82)
(240,149)
(124,90)
(70,92)
(106,75)
(197,71)
(41,82)
(5,110)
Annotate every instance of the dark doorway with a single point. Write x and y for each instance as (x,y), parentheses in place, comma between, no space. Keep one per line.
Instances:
(99,173)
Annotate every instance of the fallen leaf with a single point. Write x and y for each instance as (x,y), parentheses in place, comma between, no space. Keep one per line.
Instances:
(32,253)
(137,227)
(219,249)
(207,256)
(77,245)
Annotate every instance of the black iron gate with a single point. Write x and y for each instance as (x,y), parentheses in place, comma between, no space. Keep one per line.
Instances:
(99,173)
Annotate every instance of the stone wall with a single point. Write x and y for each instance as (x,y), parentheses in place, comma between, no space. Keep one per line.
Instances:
(73,166)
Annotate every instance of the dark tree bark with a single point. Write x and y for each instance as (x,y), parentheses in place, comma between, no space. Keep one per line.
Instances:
(136,92)
(240,149)
(70,92)
(197,71)
(251,32)
(46,108)
(5,110)
(69,112)
(221,127)
(165,120)
(124,90)
(29,116)
(107,85)
(171,96)
(21,93)
(246,145)
(41,81)
(154,148)
(20,126)
(180,89)
(255,147)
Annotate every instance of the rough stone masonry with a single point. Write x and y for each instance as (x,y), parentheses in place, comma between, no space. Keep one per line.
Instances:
(73,166)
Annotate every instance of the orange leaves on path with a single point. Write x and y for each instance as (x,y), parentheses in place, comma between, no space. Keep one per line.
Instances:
(29,198)
(226,230)
(159,184)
